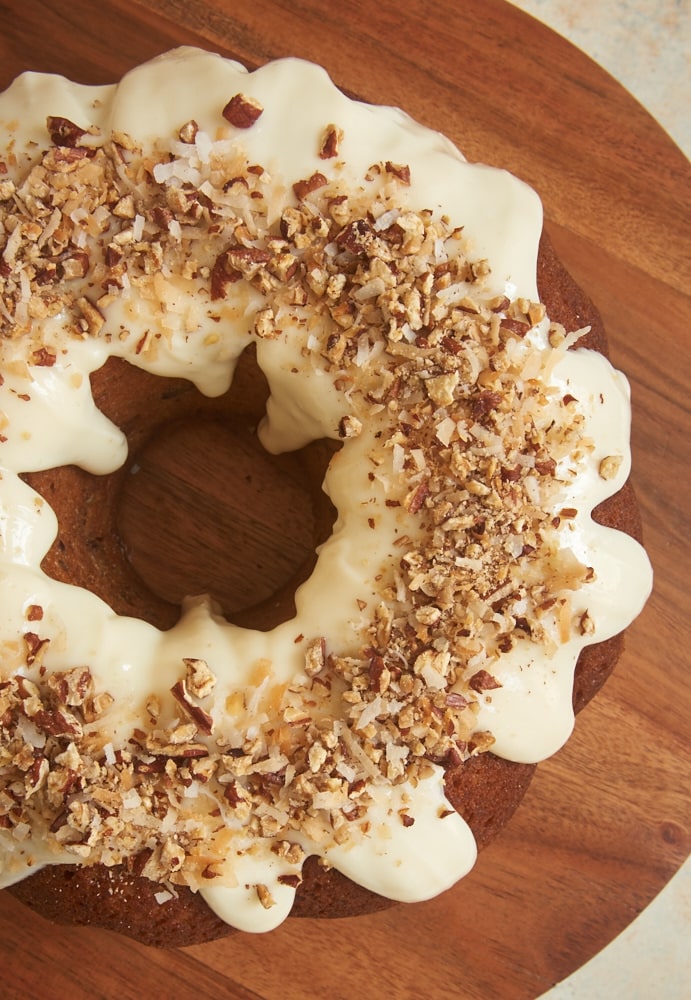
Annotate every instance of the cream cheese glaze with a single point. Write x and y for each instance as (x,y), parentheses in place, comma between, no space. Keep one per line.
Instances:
(48,419)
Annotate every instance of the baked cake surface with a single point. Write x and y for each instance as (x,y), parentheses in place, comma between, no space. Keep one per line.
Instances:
(391,292)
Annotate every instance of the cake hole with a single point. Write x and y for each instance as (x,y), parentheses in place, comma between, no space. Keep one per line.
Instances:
(199,508)
(205,509)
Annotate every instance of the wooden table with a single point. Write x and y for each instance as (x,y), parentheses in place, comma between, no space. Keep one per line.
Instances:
(605,824)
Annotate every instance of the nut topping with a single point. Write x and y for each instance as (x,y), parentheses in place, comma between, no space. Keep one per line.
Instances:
(609,466)
(308,186)
(331,139)
(64,132)
(242,111)
(394,311)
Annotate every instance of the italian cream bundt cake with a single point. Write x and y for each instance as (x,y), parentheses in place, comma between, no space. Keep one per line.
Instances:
(174,774)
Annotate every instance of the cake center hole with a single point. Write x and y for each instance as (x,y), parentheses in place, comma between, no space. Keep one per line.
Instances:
(205,509)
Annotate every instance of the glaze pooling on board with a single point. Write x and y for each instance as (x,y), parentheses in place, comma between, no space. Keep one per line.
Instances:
(529,715)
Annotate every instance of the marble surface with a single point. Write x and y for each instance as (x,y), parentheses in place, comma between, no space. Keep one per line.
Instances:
(646,46)
(651,958)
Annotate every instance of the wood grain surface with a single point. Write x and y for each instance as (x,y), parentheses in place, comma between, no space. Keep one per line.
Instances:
(606,822)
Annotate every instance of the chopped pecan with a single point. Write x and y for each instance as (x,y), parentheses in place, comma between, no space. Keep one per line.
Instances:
(265,324)
(71,687)
(199,678)
(399,170)
(58,722)
(188,131)
(291,880)
(330,141)
(349,427)
(313,183)
(93,319)
(35,647)
(43,357)
(415,500)
(315,657)
(546,466)
(221,278)
(515,326)
(201,719)
(233,264)
(66,159)
(482,680)
(73,265)
(233,794)
(454,699)
(609,466)
(64,132)
(242,111)
(484,402)
(379,674)
(357,237)
(265,897)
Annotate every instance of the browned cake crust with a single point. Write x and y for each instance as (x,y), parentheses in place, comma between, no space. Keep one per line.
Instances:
(485,789)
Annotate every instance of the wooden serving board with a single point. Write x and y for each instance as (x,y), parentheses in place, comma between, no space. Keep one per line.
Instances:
(605,823)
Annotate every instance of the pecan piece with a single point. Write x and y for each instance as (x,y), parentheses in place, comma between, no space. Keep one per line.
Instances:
(199,678)
(609,466)
(234,263)
(485,401)
(71,687)
(43,358)
(37,775)
(454,699)
(64,132)
(242,111)
(546,466)
(57,722)
(246,260)
(379,674)
(330,142)
(202,720)
(307,186)
(220,278)
(292,880)
(265,897)
(357,237)
(265,324)
(35,647)
(315,657)
(65,159)
(74,265)
(349,427)
(232,793)
(162,216)
(482,680)
(188,132)
(92,318)
(514,326)
(415,500)
(399,170)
